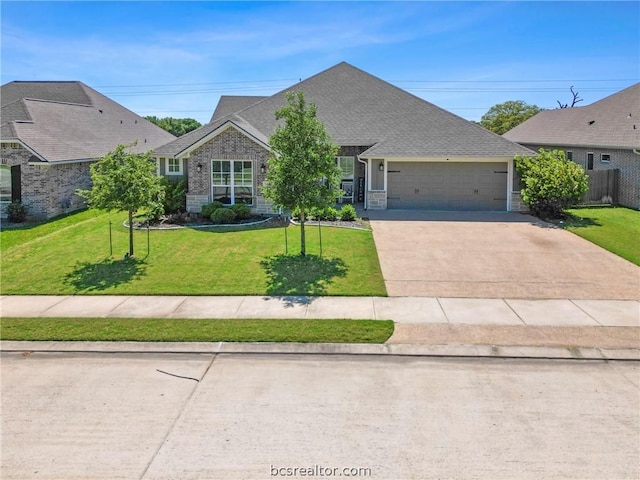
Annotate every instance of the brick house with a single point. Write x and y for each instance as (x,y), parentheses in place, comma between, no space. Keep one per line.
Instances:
(396,150)
(50,134)
(601,136)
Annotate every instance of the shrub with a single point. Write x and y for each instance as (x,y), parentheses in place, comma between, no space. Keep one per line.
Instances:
(16,212)
(223,215)
(327,213)
(348,213)
(243,212)
(175,199)
(550,182)
(209,208)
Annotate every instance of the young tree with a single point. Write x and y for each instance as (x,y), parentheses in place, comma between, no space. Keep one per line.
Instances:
(503,117)
(302,173)
(125,181)
(550,182)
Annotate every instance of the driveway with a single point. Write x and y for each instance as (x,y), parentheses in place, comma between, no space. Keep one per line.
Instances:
(494,255)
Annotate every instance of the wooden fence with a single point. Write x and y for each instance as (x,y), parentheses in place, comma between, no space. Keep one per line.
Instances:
(603,186)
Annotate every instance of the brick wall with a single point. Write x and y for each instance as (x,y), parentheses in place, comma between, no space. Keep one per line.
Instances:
(48,189)
(624,160)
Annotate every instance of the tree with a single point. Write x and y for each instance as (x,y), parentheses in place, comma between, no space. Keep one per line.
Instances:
(551,183)
(302,173)
(125,181)
(176,126)
(575,100)
(503,117)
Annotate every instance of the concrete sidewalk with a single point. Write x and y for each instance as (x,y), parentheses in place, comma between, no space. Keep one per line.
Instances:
(424,325)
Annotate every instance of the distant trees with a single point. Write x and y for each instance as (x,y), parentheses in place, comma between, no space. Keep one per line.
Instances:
(176,126)
(504,116)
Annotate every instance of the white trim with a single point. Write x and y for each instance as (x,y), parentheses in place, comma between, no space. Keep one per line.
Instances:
(603,160)
(214,133)
(447,159)
(168,171)
(158,160)
(510,167)
(232,179)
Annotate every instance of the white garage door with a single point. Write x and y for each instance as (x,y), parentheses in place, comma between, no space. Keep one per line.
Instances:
(447,186)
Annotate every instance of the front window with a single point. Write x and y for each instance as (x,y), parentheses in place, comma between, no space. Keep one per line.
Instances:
(605,158)
(232,181)
(174,166)
(346,164)
(590,161)
(5,184)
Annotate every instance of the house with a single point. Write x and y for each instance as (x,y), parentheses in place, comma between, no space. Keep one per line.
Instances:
(396,150)
(602,136)
(50,134)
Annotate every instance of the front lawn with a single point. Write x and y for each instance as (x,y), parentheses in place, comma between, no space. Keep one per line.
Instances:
(71,255)
(195,330)
(616,229)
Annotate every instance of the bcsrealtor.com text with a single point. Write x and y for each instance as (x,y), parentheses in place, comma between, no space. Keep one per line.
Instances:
(320,471)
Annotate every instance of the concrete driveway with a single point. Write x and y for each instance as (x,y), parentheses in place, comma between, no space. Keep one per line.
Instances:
(494,255)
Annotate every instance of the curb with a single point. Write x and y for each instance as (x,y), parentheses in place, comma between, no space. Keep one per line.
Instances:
(400,350)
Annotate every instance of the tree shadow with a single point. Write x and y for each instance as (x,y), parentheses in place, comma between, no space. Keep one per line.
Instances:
(297,275)
(88,277)
(575,221)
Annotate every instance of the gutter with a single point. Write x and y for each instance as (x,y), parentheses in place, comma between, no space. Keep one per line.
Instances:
(365,180)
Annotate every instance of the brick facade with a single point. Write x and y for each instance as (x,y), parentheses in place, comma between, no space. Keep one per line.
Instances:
(627,162)
(47,189)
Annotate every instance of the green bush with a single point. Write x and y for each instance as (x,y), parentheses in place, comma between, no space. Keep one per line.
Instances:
(16,212)
(550,183)
(209,208)
(242,211)
(327,213)
(223,215)
(175,199)
(348,213)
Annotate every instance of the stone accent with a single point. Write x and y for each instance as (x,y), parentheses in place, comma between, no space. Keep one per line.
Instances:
(517,205)
(195,202)
(376,200)
(48,189)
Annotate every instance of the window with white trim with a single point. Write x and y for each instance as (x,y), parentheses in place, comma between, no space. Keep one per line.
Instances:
(232,181)
(605,158)
(589,160)
(174,166)
(569,155)
(347,165)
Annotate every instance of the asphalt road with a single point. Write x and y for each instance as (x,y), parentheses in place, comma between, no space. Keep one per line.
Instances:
(189,416)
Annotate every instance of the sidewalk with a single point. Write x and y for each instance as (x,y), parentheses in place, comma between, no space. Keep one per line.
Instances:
(424,325)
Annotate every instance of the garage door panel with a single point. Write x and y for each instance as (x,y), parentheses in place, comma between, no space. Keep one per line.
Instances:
(447,186)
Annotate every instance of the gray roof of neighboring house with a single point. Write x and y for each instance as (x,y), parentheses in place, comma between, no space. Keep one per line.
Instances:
(608,122)
(229,104)
(66,121)
(359,109)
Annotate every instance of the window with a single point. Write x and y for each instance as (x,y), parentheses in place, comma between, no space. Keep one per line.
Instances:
(5,184)
(346,164)
(590,161)
(232,181)
(605,158)
(174,166)
(569,155)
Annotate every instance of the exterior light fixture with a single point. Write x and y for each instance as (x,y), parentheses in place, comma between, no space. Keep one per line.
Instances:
(199,168)
(263,168)
(381,167)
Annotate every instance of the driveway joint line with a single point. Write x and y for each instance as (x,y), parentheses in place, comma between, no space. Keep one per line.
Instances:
(64,298)
(514,311)
(443,311)
(236,313)
(587,313)
(171,315)
(109,314)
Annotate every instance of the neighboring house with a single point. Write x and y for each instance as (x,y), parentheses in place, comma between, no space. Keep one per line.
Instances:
(50,134)
(601,136)
(396,150)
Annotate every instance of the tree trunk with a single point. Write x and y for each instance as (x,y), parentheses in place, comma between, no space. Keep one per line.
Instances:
(303,246)
(131,233)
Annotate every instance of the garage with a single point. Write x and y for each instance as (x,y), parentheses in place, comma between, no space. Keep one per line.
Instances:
(447,186)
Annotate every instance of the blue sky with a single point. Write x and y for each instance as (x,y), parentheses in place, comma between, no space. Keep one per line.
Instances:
(177,58)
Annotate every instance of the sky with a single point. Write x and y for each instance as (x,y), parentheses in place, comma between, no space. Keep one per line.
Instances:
(177,58)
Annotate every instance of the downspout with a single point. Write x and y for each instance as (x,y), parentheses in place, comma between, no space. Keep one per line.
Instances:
(365,179)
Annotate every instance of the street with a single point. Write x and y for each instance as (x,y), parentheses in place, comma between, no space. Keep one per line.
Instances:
(232,416)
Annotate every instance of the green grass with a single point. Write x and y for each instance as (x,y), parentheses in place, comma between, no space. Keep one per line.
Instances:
(195,330)
(71,255)
(616,229)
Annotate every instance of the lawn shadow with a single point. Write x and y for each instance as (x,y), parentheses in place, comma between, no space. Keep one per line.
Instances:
(579,222)
(292,276)
(88,277)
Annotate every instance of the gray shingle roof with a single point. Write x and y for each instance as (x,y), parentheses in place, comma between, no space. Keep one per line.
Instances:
(229,104)
(87,128)
(360,109)
(606,123)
